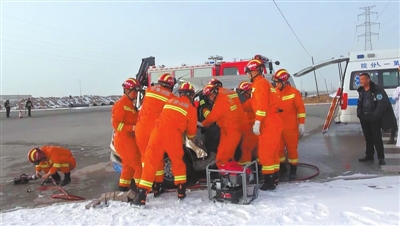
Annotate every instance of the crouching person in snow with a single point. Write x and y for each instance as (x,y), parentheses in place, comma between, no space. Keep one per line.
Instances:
(177,117)
(52,159)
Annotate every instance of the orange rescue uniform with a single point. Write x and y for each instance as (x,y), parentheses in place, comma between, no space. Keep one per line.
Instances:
(265,104)
(153,103)
(178,116)
(124,118)
(57,159)
(224,113)
(249,139)
(294,113)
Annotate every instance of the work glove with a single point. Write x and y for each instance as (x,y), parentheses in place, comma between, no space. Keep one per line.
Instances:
(200,124)
(38,174)
(301,130)
(256,127)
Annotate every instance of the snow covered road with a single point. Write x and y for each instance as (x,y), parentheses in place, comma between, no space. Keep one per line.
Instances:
(339,202)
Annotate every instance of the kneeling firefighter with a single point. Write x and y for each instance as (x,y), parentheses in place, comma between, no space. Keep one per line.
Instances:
(123,119)
(52,159)
(293,118)
(178,117)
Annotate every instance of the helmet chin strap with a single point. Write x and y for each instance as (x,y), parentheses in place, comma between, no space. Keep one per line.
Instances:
(127,94)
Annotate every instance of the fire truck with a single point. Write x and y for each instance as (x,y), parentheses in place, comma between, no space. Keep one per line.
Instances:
(215,66)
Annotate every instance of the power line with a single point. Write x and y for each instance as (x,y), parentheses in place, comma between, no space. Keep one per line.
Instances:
(291,28)
(382,10)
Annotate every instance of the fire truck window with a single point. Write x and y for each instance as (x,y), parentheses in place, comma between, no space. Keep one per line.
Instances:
(202,72)
(182,73)
(155,75)
(230,71)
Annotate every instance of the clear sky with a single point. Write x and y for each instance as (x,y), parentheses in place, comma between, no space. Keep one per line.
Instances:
(49,48)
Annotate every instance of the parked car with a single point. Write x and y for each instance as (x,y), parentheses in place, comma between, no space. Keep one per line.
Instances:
(200,153)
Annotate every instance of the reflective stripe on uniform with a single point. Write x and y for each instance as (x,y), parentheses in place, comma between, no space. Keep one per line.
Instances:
(146,183)
(301,115)
(282,159)
(175,108)
(288,97)
(160,172)
(60,165)
(293,160)
(180,178)
(202,102)
(261,113)
(273,90)
(277,166)
(233,95)
(126,108)
(270,168)
(206,113)
(156,96)
(122,181)
(233,107)
(120,126)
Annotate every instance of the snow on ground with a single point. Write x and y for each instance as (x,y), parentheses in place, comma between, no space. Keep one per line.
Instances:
(339,202)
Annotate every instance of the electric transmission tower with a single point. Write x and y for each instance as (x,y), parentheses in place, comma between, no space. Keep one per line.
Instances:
(367,24)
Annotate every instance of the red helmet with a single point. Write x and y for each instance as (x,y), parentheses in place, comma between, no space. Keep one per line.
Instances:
(281,75)
(131,84)
(186,88)
(35,155)
(261,58)
(167,80)
(208,89)
(215,82)
(244,86)
(254,65)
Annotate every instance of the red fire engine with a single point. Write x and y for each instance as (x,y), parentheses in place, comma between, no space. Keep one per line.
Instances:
(215,66)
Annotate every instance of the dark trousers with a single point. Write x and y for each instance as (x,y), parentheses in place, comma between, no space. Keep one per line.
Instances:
(393,132)
(373,136)
(29,111)
(8,112)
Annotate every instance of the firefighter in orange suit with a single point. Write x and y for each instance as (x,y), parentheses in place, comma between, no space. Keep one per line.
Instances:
(249,139)
(293,118)
(177,118)
(153,102)
(242,116)
(268,125)
(224,113)
(52,159)
(124,118)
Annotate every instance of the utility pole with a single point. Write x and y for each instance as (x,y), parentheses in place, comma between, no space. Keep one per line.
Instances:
(80,88)
(315,78)
(327,91)
(367,24)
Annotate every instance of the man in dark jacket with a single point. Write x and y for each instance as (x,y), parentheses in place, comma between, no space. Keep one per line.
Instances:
(7,105)
(375,113)
(28,105)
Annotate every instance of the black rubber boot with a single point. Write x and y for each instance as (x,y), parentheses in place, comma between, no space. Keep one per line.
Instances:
(67,179)
(157,189)
(122,188)
(181,191)
(269,183)
(276,177)
(293,171)
(282,168)
(56,177)
(382,162)
(366,158)
(133,186)
(140,199)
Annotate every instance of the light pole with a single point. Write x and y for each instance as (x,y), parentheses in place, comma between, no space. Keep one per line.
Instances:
(80,88)
(327,91)
(315,78)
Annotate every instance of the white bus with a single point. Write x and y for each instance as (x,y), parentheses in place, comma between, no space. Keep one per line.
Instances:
(383,66)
